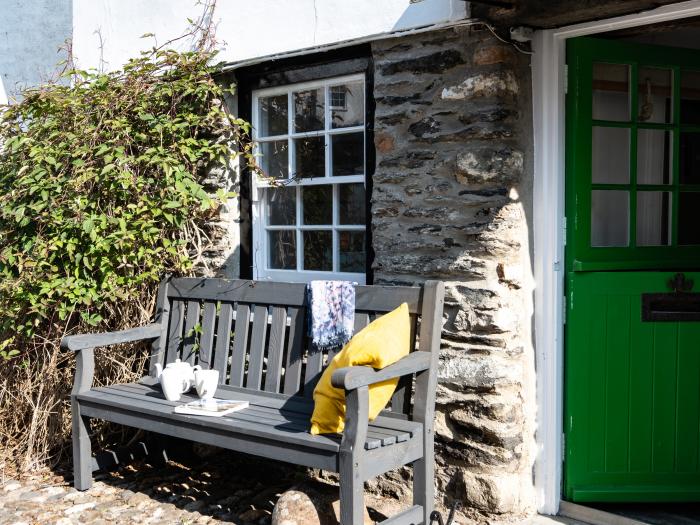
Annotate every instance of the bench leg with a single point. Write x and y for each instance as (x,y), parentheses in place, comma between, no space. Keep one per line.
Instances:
(352,496)
(82,451)
(423,488)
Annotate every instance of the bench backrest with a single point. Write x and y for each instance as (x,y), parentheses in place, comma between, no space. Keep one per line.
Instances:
(255,331)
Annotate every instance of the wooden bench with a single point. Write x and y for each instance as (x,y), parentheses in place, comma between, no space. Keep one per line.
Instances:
(254,333)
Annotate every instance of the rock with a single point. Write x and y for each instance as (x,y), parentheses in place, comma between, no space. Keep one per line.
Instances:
(80,507)
(336,510)
(252,515)
(431,63)
(11,485)
(501,84)
(498,54)
(297,508)
(487,165)
(498,494)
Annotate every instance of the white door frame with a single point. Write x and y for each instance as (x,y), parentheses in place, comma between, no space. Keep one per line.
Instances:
(549,84)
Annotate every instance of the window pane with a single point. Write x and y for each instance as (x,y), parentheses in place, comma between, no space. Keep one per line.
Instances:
(653,218)
(318,250)
(347,104)
(654,148)
(654,94)
(308,110)
(281,206)
(274,159)
(310,155)
(689,158)
(318,204)
(348,154)
(690,97)
(611,92)
(352,204)
(352,252)
(272,115)
(609,218)
(688,230)
(283,250)
(611,155)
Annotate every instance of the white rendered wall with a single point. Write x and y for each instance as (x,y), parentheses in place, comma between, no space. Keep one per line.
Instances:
(249,29)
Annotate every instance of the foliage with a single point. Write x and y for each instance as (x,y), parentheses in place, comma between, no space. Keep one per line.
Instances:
(101,193)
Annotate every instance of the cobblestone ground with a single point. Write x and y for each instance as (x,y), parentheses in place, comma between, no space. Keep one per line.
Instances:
(225,488)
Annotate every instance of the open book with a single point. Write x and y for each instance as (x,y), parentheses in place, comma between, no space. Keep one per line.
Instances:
(211,407)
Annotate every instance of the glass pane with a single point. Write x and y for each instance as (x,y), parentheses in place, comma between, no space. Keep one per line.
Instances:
(281,206)
(611,155)
(348,154)
(689,169)
(272,115)
(318,250)
(352,252)
(347,104)
(275,159)
(283,250)
(690,97)
(308,110)
(688,206)
(310,154)
(654,94)
(654,148)
(653,218)
(352,204)
(611,92)
(609,218)
(318,204)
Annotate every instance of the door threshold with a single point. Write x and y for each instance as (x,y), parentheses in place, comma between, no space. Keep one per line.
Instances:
(594,516)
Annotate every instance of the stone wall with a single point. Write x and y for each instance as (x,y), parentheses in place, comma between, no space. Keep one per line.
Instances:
(452,200)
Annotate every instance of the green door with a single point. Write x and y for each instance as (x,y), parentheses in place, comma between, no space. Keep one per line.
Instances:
(632,365)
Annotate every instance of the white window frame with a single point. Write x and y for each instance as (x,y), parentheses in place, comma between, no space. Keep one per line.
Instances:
(260,252)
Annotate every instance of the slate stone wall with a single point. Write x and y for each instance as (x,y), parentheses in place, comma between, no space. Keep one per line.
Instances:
(452,200)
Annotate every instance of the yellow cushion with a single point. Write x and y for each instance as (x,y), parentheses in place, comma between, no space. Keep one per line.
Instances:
(379,344)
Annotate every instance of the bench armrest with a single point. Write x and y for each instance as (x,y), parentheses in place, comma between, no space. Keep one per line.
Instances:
(84,341)
(353,377)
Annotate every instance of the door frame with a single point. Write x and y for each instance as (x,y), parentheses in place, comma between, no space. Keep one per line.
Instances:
(549,78)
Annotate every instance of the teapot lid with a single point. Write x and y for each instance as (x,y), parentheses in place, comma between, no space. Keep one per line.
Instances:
(178,363)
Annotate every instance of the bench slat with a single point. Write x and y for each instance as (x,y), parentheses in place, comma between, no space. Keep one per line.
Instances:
(240,344)
(295,350)
(223,339)
(314,366)
(190,336)
(257,348)
(206,340)
(177,317)
(275,350)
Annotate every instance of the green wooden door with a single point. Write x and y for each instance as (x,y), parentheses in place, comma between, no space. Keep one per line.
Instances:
(632,365)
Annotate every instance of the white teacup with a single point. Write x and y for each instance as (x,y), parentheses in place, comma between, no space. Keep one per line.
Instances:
(206,381)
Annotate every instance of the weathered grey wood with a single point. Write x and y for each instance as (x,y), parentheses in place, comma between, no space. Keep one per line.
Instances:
(383,299)
(223,339)
(80,342)
(251,292)
(356,376)
(361,320)
(189,339)
(206,340)
(177,318)
(82,450)
(240,345)
(350,458)
(161,317)
(401,400)
(257,348)
(295,351)
(426,383)
(275,349)
(314,367)
(410,516)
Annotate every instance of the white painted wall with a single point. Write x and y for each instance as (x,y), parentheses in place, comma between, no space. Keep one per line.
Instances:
(249,29)
(31,32)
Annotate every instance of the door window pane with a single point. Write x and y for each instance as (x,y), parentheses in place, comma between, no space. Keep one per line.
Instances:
(654,94)
(272,115)
(688,229)
(282,206)
(310,156)
(653,218)
(318,204)
(352,251)
(609,218)
(690,97)
(348,154)
(689,165)
(611,155)
(654,148)
(352,204)
(274,159)
(347,104)
(611,92)
(309,110)
(318,250)
(283,249)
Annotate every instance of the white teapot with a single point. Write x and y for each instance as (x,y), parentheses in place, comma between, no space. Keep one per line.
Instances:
(176,379)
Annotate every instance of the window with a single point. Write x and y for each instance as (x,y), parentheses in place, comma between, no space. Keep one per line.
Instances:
(311,139)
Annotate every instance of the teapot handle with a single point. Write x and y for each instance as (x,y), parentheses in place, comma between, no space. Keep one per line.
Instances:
(186,385)
(196,367)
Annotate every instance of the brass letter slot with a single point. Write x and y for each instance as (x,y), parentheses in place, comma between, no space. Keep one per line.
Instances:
(671,307)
